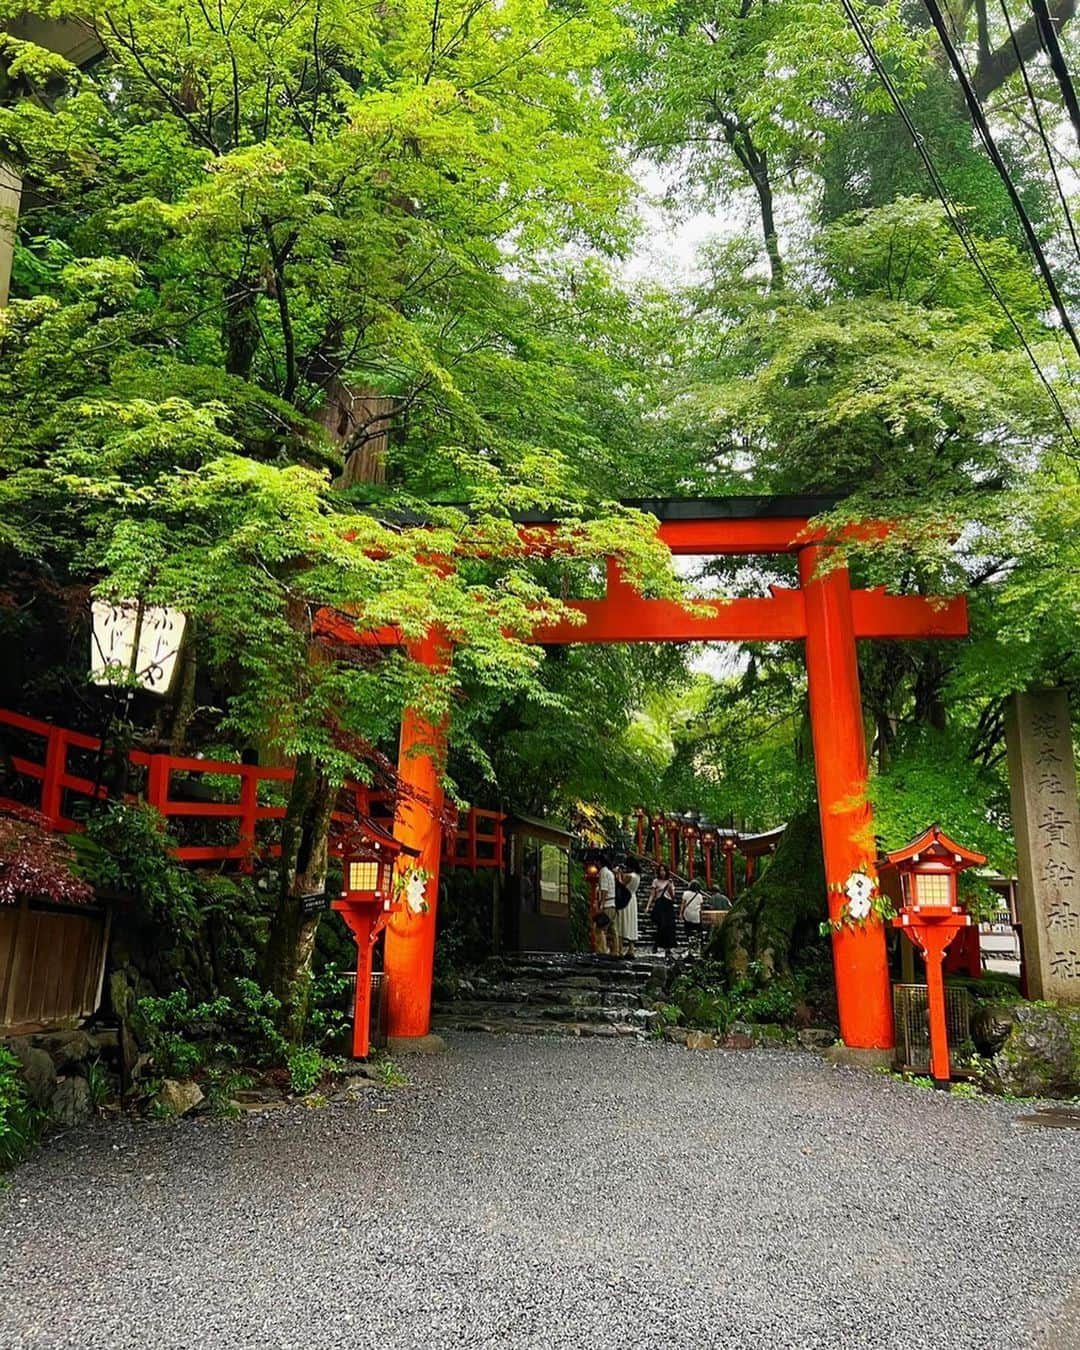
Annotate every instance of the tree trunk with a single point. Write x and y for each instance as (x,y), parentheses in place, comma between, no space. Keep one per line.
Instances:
(738,135)
(185,698)
(777,919)
(239,327)
(759,174)
(305,836)
(930,690)
(995,67)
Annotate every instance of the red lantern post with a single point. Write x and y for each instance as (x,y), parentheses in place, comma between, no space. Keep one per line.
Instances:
(640,829)
(366,904)
(931,917)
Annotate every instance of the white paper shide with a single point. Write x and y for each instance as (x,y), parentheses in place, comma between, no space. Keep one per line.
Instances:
(415,890)
(859,890)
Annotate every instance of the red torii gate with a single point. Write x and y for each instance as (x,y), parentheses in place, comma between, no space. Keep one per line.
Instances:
(825,612)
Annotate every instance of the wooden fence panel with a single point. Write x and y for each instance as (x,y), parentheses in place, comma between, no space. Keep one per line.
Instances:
(50,963)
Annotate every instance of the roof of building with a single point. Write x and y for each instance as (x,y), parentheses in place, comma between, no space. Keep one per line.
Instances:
(542,829)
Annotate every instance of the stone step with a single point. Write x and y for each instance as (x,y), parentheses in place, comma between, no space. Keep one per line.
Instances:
(579,977)
(575,998)
(521,1027)
(643,1017)
(626,995)
(621,998)
(519,1012)
(567,964)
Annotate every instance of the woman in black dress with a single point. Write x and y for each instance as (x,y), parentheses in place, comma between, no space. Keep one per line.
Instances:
(661,905)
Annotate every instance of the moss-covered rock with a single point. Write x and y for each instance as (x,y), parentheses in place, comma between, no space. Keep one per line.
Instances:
(1040,1056)
(991,1023)
(774,925)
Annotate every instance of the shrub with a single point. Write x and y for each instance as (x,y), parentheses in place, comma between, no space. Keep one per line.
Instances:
(255,1021)
(178,1034)
(184,1038)
(388,1074)
(126,849)
(97,1082)
(21,1122)
(705,999)
(327,1014)
(306,1069)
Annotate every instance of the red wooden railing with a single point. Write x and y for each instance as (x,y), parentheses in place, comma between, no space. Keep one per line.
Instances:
(477,842)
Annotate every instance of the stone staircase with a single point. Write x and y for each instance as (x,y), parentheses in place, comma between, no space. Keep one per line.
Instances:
(546,993)
(646,928)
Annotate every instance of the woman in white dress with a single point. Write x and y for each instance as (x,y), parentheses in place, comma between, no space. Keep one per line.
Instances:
(626,919)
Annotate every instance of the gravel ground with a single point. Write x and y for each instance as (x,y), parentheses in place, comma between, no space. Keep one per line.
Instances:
(557,1192)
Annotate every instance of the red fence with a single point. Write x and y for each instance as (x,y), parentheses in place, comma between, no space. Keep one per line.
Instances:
(478,841)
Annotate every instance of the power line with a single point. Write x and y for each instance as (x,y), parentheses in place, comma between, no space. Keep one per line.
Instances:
(983,128)
(1049,39)
(953,216)
(958,42)
(1033,100)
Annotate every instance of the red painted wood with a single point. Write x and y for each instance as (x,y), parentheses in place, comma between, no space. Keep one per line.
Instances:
(628,617)
(360,919)
(27,767)
(964,956)
(478,828)
(935,1005)
(214,852)
(877,615)
(212,810)
(932,933)
(45,729)
(409,949)
(52,778)
(625,616)
(862,974)
(157,782)
(752,534)
(249,811)
(735,535)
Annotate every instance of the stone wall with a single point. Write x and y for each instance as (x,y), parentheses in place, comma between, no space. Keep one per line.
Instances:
(57,1066)
(1041,1054)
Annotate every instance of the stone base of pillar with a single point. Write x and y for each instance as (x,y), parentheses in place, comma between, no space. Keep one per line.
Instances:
(854,1058)
(416,1045)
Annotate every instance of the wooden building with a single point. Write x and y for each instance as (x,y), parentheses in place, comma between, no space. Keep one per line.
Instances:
(536,899)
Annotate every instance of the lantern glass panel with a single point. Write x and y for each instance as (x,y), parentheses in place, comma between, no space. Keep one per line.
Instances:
(933,888)
(364,876)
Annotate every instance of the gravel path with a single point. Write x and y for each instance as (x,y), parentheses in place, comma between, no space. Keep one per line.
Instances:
(557,1192)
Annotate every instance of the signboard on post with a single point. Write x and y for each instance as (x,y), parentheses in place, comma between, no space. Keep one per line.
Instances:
(135,643)
(1042,785)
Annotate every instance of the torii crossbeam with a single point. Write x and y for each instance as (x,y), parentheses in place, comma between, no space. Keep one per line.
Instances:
(825,612)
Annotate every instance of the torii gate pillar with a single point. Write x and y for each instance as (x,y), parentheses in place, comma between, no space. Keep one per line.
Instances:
(409,951)
(863,991)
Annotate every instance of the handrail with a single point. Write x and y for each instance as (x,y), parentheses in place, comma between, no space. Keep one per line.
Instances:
(482,847)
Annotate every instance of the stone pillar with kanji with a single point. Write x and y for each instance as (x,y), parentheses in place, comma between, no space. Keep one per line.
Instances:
(1046,824)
